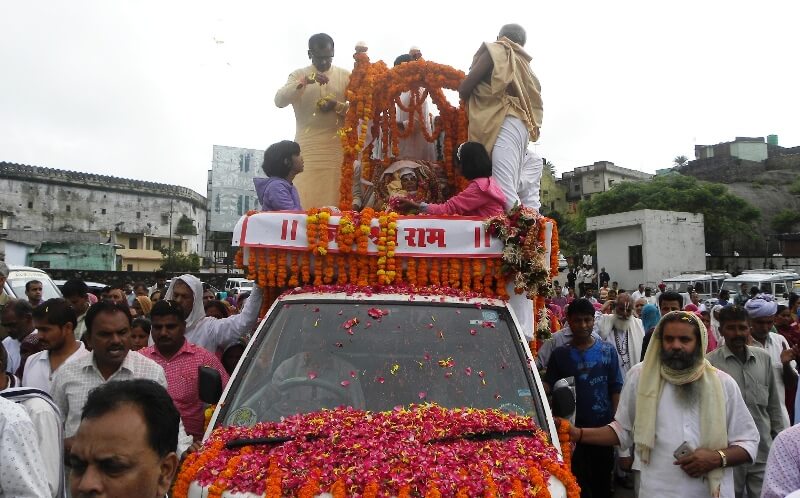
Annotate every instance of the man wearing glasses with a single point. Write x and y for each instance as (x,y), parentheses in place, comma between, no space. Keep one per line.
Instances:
(317,94)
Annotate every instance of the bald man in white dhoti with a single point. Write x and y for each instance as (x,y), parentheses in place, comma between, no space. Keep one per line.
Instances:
(317,94)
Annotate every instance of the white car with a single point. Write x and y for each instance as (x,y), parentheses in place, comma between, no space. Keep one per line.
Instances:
(380,355)
(18,276)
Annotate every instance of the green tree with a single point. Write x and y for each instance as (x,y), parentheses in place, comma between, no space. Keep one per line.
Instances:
(680,160)
(549,168)
(185,226)
(785,220)
(179,262)
(725,214)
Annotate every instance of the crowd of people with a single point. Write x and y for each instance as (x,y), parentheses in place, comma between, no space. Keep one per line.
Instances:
(75,369)
(691,396)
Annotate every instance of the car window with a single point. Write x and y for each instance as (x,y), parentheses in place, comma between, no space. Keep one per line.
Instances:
(765,287)
(17,280)
(780,288)
(379,356)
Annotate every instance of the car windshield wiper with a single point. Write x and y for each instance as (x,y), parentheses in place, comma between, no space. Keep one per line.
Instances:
(238,443)
(486,436)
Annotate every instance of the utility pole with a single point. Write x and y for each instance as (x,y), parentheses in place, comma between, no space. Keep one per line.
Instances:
(171,245)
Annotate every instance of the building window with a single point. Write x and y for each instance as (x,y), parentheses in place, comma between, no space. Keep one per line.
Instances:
(156,244)
(165,219)
(635,260)
(240,205)
(69,208)
(216,203)
(149,244)
(30,205)
(176,246)
(103,211)
(244,162)
(246,203)
(577,188)
(138,215)
(610,182)
(133,243)
(130,267)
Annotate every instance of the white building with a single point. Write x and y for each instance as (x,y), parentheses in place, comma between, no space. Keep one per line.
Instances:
(647,246)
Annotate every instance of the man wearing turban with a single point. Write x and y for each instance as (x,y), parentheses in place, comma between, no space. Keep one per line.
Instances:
(761,311)
(676,400)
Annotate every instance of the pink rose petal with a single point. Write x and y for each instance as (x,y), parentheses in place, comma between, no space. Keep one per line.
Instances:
(381,380)
(422,395)
(312,375)
(345,383)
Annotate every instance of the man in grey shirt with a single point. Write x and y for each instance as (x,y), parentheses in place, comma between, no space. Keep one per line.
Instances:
(751,368)
(560,338)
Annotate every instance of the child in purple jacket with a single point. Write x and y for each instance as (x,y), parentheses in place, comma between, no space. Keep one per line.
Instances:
(282,162)
(482,197)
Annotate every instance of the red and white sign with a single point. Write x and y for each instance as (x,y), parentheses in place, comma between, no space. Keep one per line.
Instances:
(417,236)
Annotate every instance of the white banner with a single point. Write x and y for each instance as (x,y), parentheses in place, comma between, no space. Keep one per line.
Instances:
(417,236)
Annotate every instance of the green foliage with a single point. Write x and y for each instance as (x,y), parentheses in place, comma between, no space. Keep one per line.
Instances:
(725,214)
(179,262)
(794,188)
(185,226)
(680,160)
(785,220)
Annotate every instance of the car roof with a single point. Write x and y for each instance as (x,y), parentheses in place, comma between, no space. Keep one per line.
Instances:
(697,276)
(752,277)
(365,296)
(25,268)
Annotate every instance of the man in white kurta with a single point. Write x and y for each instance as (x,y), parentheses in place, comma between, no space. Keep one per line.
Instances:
(317,94)
(624,331)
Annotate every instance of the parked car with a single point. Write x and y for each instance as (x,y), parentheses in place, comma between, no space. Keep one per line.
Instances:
(237,284)
(706,283)
(562,262)
(95,288)
(18,276)
(776,282)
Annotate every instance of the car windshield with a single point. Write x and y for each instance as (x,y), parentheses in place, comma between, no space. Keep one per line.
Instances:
(377,356)
(246,283)
(677,286)
(735,287)
(17,281)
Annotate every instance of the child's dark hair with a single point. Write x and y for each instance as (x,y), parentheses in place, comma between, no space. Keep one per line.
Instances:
(142,323)
(475,161)
(278,158)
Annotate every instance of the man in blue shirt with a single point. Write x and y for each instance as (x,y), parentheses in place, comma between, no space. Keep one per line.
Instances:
(598,382)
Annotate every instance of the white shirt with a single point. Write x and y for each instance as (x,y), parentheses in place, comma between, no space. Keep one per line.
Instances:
(12,348)
(775,344)
(636,295)
(20,475)
(676,423)
(217,333)
(37,368)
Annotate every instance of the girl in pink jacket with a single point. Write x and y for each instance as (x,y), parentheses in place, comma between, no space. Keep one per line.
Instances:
(482,197)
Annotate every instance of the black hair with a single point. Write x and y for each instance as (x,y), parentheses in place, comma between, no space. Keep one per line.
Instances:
(139,284)
(320,40)
(30,282)
(670,296)
(167,308)
(733,313)
(75,287)
(142,323)
(725,292)
(56,311)
(214,303)
(159,412)
(20,307)
(402,59)
(580,307)
(793,297)
(3,358)
(781,309)
(475,161)
(754,291)
(278,158)
(515,33)
(105,306)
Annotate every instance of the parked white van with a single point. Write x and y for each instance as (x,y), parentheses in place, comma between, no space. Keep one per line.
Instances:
(706,283)
(776,282)
(237,285)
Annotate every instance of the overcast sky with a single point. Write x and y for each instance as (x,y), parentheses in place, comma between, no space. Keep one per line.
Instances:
(143,89)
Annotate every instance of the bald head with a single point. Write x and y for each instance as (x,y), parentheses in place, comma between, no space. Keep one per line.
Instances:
(515,33)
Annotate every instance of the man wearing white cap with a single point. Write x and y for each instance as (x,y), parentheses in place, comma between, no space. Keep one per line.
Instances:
(761,312)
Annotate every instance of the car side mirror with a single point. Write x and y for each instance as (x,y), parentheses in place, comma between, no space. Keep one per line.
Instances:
(209,385)
(563,398)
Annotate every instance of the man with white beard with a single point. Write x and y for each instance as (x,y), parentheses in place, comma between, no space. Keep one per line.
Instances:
(623,331)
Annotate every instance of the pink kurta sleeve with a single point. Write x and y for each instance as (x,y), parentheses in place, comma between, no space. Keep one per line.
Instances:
(470,198)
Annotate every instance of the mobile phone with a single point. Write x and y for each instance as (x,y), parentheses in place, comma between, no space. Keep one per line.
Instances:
(683,450)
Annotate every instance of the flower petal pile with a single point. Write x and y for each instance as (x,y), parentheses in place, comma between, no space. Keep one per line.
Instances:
(408,451)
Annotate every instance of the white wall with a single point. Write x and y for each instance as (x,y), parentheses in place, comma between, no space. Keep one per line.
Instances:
(750,151)
(671,241)
(16,254)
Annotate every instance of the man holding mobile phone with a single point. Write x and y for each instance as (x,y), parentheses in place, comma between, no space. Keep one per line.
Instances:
(675,395)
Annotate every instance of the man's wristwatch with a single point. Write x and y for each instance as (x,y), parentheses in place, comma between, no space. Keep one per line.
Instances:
(724,458)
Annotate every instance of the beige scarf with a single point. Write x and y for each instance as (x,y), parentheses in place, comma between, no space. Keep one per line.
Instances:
(713,429)
(513,90)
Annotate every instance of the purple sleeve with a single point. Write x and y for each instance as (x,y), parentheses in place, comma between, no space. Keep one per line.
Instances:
(280,197)
(464,202)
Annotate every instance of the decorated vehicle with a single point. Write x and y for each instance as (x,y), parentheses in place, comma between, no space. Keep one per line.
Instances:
(415,386)
(388,361)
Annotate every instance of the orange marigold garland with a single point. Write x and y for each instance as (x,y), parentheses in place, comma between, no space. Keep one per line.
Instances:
(411,271)
(282,268)
(294,268)
(194,462)
(391,245)
(383,237)
(274,487)
(466,275)
(422,271)
(271,269)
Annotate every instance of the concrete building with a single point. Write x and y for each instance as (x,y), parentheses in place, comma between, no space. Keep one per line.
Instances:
(230,195)
(649,245)
(584,181)
(75,256)
(745,148)
(50,205)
